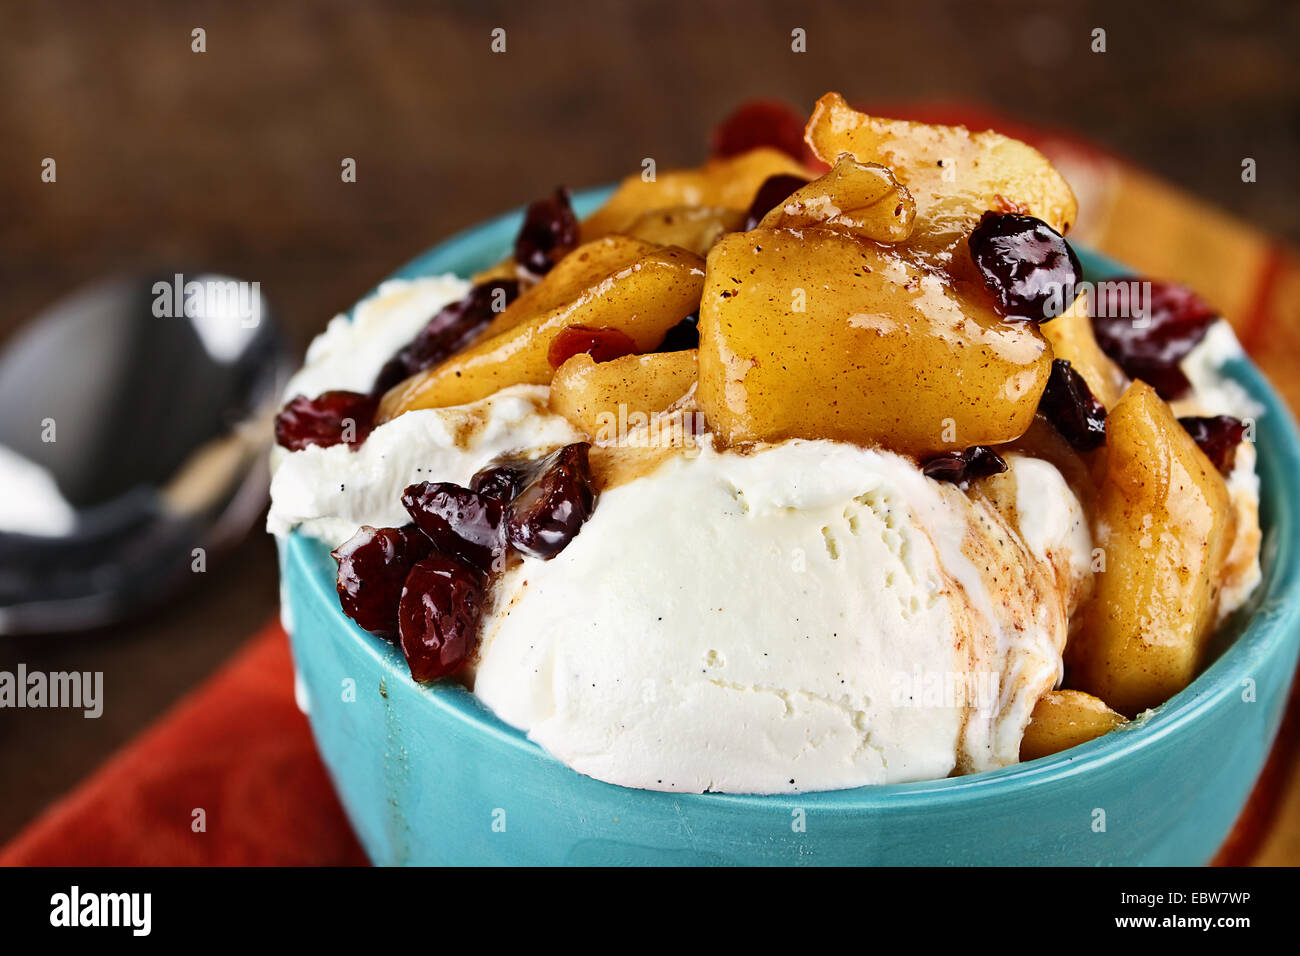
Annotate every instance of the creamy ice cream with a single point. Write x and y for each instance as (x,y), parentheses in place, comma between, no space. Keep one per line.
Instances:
(801,616)
(329,492)
(808,616)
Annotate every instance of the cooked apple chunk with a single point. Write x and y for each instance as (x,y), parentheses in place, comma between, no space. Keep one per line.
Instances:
(1064,719)
(821,335)
(579,270)
(1163,522)
(587,392)
(729,183)
(861,199)
(643,300)
(695,228)
(954,175)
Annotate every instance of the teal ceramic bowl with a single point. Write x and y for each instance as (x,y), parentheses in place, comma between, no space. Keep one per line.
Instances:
(427,775)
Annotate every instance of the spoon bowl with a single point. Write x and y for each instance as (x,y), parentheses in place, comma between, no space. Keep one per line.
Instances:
(134,415)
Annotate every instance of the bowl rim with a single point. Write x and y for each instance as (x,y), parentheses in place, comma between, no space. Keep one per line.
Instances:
(1274,608)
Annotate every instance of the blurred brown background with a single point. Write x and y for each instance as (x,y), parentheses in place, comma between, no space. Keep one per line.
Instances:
(230,159)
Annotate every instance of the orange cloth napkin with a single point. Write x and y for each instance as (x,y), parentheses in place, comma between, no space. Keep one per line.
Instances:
(238,750)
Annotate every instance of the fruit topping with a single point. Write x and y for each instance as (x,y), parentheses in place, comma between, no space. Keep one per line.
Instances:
(959,467)
(643,297)
(1026,264)
(552,508)
(761,123)
(373,564)
(774,191)
(549,233)
(601,344)
(328,419)
(632,390)
(860,199)
(723,183)
(1072,409)
(1071,338)
(953,174)
(1167,518)
(438,616)
(1149,343)
(694,228)
(503,480)
(818,334)
(448,331)
(1218,436)
(459,521)
(682,336)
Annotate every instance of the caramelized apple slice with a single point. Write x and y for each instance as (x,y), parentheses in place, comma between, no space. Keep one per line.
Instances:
(695,228)
(729,183)
(820,335)
(643,300)
(582,268)
(1064,719)
(592,394)
(1071,337)
(861,199)
(1163,522)
(953,174)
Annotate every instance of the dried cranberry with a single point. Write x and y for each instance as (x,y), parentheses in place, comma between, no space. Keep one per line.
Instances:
(1148,344)
(762,123)
(438,616)
(328,419)
(460,522)
(448,331)
(373,564)
(550,511)
(549,232)
(601,344)
(1218,436)
(1030,269)
(959,467)
(502,480)
(774,191)
(682,336)
(1072,409)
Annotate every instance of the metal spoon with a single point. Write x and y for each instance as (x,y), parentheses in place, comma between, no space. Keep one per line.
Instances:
(148,402)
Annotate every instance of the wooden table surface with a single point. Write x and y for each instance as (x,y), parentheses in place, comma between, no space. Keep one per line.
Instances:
(230,159)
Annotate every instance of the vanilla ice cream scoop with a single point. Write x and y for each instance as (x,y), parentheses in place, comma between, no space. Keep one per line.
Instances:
(807,616)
